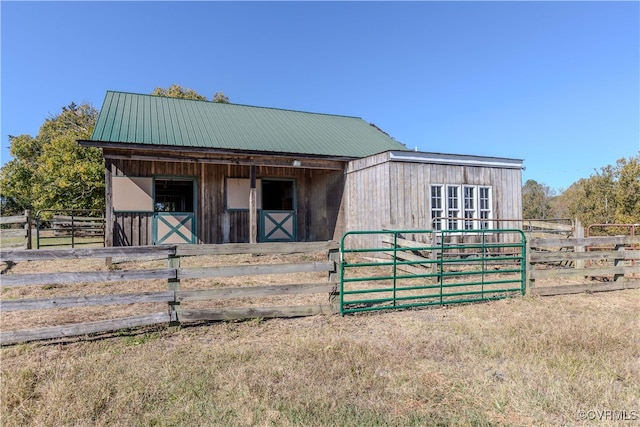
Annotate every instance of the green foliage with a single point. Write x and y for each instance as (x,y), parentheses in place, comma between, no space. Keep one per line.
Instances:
(51,171)
(610,196)
(220,98)
(536,199)
(177,91)
(627,192)
(594,201)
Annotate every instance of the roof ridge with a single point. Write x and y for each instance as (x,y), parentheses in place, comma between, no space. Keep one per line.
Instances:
(237,105)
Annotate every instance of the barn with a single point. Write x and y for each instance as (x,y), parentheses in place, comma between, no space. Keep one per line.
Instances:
(187,171)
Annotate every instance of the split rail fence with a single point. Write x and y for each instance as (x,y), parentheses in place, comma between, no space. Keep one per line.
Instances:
(553,266)
(177,299)
(602,263)
(20,231)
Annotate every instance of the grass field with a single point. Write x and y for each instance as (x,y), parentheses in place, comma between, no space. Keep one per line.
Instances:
(524,361)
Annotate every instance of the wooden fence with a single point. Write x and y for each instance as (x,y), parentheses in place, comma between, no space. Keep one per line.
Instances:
(554,266)
(596,263)
(175,297)
(23,232)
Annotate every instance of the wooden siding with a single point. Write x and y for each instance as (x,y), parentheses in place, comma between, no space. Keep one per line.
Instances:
(368,197)
(319,198)
(383,193)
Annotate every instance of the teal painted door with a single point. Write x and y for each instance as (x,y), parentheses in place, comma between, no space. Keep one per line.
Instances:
(173,228)
(277,226)
(278,222)
(174,219)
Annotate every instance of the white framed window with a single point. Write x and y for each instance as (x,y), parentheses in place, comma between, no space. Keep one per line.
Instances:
(484,207)
(463,207)
(453,207)
(437,208)
(469,207)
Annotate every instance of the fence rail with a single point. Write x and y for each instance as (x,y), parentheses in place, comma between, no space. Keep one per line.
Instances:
(608,269)
(603,263)
(69,227)
(174,297)
(24,232)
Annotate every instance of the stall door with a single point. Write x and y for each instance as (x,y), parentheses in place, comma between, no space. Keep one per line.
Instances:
(174,219)
(278,214)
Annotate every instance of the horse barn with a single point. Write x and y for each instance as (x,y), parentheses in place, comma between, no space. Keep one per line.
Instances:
(186,171)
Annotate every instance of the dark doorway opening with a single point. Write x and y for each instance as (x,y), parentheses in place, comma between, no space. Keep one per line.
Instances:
(173,195)
(278,195)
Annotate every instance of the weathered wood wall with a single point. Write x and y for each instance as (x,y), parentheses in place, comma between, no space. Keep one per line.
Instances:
(381,193)
(367,197)
(319,196)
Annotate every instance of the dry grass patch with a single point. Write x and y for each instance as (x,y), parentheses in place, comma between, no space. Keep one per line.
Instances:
(521,361)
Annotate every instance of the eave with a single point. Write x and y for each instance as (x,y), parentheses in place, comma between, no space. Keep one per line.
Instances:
(147,152)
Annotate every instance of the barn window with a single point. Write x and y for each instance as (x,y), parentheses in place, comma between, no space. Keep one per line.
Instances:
(436,206)
(466,207)
(485,207)
(469,207)
(453,207)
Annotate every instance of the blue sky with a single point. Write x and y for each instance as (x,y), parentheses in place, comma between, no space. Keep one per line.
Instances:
(554,83)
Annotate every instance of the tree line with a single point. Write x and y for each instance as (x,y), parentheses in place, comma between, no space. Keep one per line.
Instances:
(610,195)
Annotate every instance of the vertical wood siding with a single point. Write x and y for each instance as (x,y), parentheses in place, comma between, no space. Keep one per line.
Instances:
(319,193)
(382,193)
(369,198)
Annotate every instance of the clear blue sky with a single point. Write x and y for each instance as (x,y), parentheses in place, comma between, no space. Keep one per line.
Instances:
(554,83)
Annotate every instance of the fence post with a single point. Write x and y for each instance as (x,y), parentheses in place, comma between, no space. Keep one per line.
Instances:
(579,233)
(27,229)
(334,277)
(530,283)
(433,256)
(253,206)
(174,285)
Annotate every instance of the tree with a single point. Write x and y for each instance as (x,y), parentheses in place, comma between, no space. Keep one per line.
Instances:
(594,201)
(177,91)
(627,191)
(17,177)
(610,196)
(51,171)
(536,200)
(220,98)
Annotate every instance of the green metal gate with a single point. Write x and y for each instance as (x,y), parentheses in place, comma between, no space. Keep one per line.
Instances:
(416,268)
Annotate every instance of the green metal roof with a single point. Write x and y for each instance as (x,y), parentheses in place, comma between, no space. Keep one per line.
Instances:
(171,122)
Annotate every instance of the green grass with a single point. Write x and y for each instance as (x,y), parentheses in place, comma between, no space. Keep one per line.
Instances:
(51,242)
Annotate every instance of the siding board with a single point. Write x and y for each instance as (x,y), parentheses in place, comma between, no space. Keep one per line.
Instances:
(319,193)
(402,192)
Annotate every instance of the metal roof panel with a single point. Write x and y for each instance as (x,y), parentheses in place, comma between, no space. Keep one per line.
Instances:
(155,120)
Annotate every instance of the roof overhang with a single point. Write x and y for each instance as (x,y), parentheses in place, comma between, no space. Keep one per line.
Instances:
(148,152)
(454,159)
